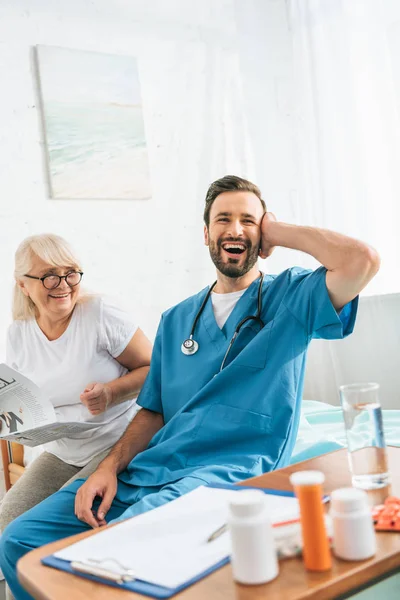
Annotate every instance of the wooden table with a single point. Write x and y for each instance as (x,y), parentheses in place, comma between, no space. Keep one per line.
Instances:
(293,582)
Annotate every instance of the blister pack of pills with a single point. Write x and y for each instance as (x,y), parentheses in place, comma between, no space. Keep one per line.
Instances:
(387,516)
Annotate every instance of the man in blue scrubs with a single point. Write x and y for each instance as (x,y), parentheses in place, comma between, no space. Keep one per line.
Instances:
(199,422)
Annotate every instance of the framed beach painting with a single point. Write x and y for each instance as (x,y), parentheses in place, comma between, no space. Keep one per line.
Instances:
(94,127)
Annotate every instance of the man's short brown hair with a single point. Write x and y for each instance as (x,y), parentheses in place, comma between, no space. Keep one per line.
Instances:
(229,183)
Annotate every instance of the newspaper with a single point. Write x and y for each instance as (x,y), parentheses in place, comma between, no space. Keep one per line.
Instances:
(26,416)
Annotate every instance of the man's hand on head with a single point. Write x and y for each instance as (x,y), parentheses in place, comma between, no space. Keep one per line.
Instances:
(266,244)
(350,263)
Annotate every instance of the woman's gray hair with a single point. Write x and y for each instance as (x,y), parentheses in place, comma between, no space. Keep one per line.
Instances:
(53,250)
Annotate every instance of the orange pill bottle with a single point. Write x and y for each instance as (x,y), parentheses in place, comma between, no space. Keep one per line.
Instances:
(316,548)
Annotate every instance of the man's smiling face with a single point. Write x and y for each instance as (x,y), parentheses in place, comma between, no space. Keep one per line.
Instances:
(233,235)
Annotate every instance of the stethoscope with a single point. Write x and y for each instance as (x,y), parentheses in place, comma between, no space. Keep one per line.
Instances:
(190,346)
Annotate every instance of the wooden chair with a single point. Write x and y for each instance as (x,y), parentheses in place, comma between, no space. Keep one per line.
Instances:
(13,462)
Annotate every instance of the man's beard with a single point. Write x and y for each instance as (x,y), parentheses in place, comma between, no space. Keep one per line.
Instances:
(232,268)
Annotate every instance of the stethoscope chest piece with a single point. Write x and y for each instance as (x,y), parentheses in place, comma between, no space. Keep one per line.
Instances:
(189,346)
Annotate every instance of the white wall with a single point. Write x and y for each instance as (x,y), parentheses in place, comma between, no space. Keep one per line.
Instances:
(215,79)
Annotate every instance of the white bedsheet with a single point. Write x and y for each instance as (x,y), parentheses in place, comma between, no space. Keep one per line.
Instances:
(321,430)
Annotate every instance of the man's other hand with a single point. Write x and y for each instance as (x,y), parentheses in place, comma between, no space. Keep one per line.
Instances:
(102,483)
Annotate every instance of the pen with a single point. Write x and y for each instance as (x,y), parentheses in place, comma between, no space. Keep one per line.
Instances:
(217,533)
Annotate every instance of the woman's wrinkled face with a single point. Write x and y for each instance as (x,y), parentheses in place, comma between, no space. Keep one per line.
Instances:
(56,303)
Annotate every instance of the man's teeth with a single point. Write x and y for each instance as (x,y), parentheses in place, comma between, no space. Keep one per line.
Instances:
(234,247)
(59,295)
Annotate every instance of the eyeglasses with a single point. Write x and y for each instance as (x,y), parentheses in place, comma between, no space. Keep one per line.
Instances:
(51,282)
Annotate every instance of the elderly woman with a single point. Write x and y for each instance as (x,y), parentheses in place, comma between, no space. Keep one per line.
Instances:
(88,357)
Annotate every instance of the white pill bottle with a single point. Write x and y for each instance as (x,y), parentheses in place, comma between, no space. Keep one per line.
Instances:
(254,558)
(353,530)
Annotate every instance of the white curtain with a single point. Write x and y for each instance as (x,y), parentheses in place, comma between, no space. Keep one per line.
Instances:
(346,117)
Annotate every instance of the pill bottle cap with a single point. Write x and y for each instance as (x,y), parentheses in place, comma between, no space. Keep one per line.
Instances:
(307,478)
(347,500)
(247,503)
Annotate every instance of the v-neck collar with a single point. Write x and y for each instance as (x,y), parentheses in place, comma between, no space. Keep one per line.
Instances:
(64,333)
(221,336)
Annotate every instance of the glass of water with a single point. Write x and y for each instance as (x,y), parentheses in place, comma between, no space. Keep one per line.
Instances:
(365,438)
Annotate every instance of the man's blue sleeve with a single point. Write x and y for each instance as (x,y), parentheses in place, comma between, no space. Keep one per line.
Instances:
(150,395)
(307,298)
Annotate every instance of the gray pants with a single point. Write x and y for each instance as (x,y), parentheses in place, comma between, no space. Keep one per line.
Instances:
(45,476)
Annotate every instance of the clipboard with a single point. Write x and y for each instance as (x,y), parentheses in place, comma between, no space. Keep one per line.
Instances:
(100,575)
(138,586)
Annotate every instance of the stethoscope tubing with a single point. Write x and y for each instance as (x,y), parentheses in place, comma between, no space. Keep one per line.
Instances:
(256,317)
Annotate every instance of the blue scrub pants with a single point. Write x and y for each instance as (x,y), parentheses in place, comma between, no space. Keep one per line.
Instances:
(54,519)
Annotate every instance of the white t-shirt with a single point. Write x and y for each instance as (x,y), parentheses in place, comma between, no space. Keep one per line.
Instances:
(85,353)
(223,305)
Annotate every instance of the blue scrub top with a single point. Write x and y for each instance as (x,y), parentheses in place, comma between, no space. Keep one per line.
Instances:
(241,422)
